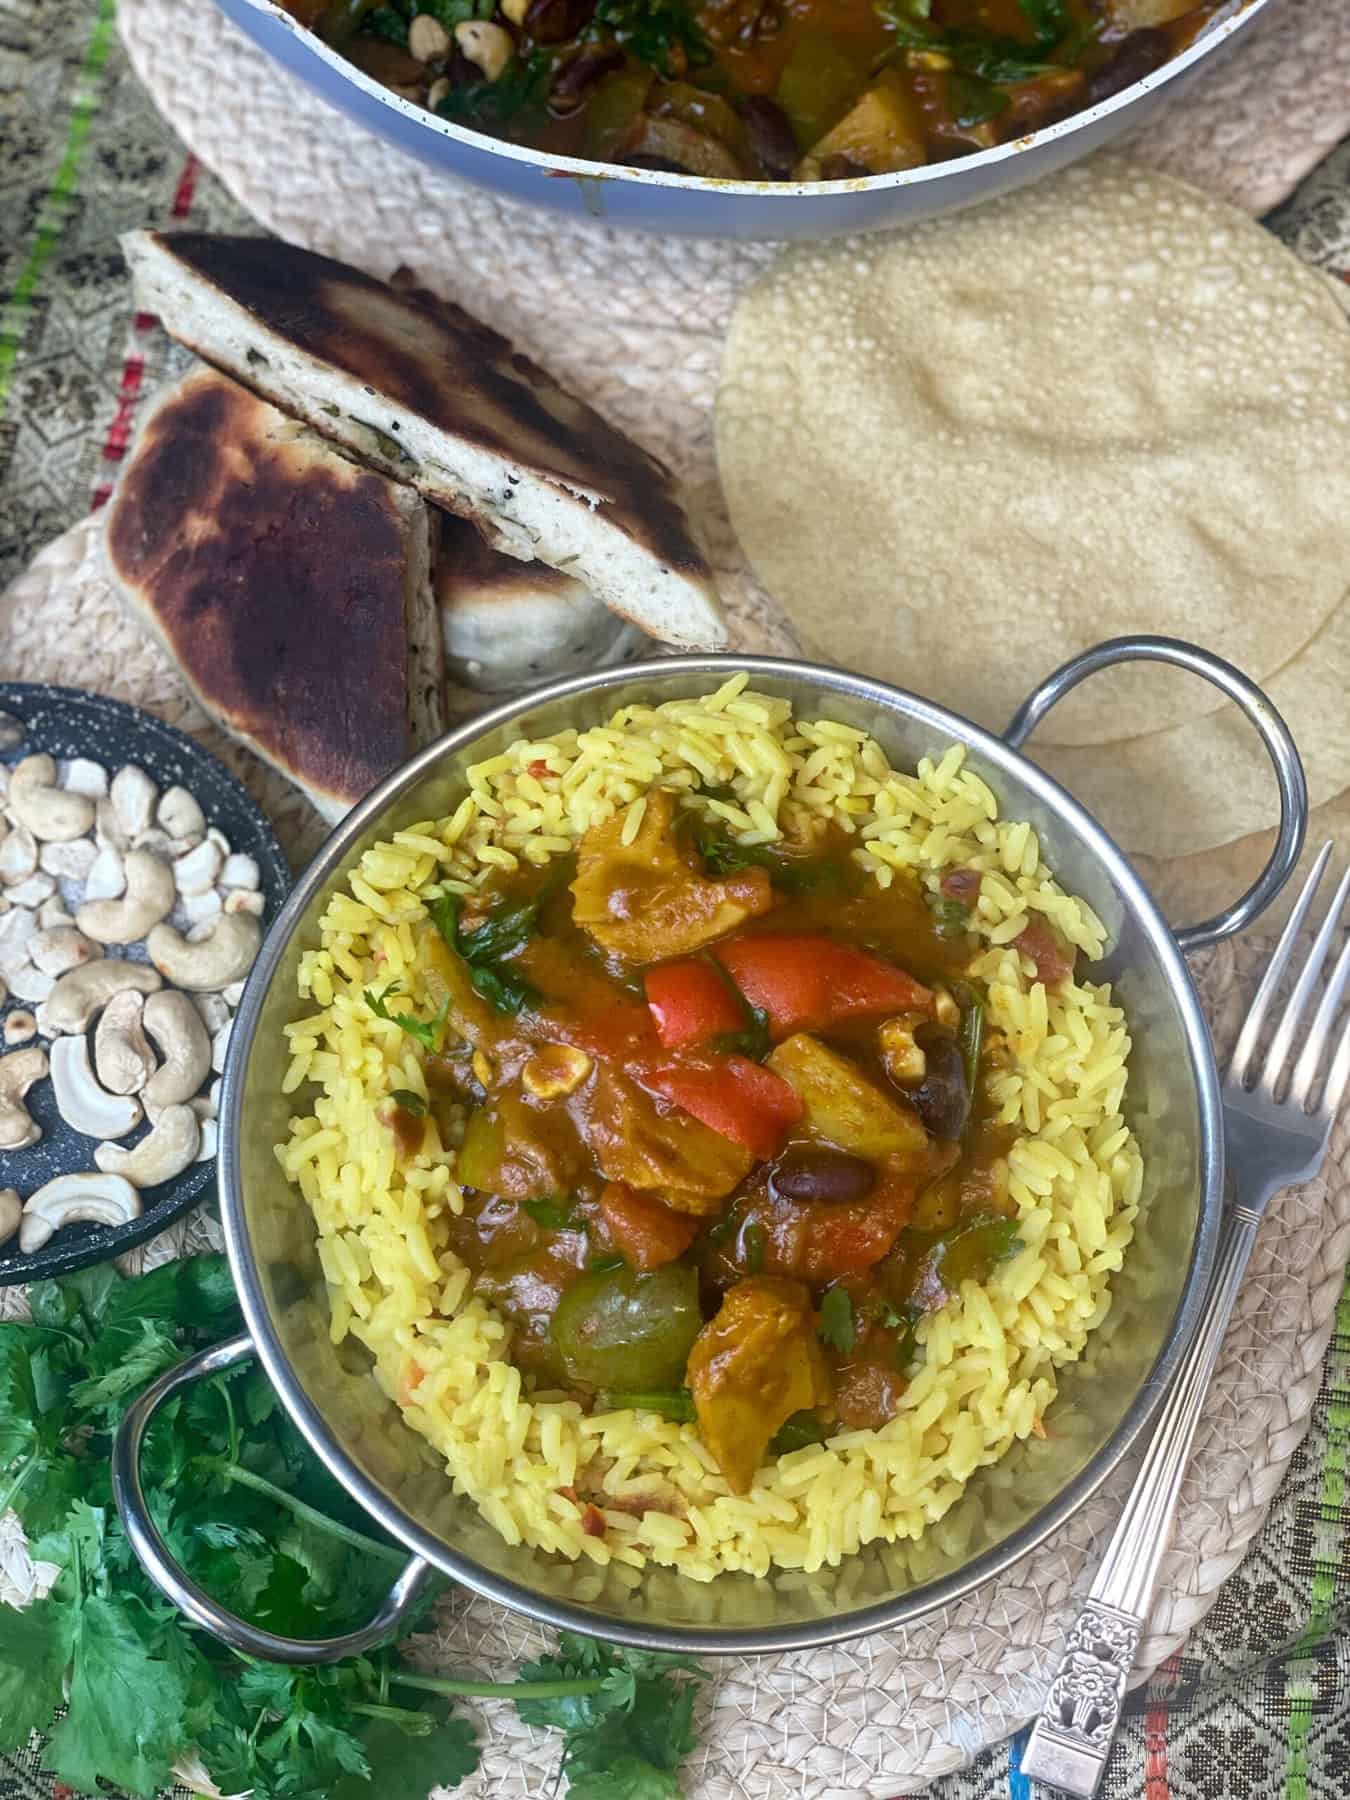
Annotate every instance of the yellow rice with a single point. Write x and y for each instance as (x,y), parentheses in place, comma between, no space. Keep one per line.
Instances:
(990,1356)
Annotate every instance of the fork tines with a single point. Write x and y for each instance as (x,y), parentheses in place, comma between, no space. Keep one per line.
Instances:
(1264,1075)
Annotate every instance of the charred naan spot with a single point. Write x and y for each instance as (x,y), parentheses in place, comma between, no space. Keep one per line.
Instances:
(237,535)
(431,357)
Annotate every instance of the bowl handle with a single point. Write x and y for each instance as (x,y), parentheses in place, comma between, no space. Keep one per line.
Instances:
(1275,734)
(172,1579)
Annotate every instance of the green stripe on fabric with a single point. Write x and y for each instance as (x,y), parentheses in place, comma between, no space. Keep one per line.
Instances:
(52,214)
(1329,1549)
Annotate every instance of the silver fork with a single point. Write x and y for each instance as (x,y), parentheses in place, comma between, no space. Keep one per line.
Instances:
(1277,1123)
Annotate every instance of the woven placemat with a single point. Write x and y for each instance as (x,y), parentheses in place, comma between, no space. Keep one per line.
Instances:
(887,1713)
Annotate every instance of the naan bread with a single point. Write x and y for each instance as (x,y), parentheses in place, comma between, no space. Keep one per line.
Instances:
(292,588)
(509,624)
(433,398)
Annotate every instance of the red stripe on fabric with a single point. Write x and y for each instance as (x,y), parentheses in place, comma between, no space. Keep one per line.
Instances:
(187,182)
(1155,1731)
(133,368)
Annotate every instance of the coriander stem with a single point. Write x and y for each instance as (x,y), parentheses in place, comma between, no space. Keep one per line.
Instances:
(311,1515)
(498,1690)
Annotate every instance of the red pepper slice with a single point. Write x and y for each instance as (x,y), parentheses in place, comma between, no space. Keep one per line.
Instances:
(736,1097)
(645,1233)
(691,1003)
(805,982)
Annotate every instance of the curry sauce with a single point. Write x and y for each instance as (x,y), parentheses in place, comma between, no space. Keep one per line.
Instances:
(724,1134)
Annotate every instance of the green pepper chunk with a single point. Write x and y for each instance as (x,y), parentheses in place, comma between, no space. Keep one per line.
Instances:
(618,1329)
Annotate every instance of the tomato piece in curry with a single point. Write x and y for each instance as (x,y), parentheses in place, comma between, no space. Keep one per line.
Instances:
(698,1178)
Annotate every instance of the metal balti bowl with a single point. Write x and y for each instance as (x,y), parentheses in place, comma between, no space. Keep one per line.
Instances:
(1105,1401)
(692,205)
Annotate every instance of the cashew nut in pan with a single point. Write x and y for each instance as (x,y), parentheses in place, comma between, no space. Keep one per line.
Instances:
(222,956)
(77,996)
(18,856)
(20,1027)
(122,1054)
(95,1198)
(180,815)
(149,897)
(133,796)
(51,813)
(85,1106)
(165,1150)
(176,1027)
(61,948)
(11,1211)
(18,1072)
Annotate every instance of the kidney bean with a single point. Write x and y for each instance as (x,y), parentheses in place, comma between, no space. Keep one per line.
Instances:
(1137,55)
(942,1099)
(554,21)
(771,136)
(828,1175)
(578,76)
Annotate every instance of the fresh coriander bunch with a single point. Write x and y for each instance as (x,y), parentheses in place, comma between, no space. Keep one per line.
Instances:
(132,1697)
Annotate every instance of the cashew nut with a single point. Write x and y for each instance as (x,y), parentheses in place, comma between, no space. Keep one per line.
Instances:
(180,815)
(49,812)
(122,1054)
(31,984)
(197,871)
(85,1106)
(20,1028)
(489,47)
(53,913)
(61,948)
(165,1150)
(212,1009)
(174,1023)
(108,877)
(133,796)
(221,956)
(11,1211)
(245,900)
(240,871)
(12,731)
(428,40)
(109,832)
(32,892)
(18,1072)
(18,928)
(210,1138)
(198,908)
(18,856)
(69,861)
(97,1199)
(79,994)
(86,777)
(149,897)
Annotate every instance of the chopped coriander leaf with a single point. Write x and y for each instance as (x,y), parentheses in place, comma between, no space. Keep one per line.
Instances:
(973,99)
(662,33)
(837,1326)
(551,1215)
(602,1262)
(797,1433)
(504,932)
(520,92)
(672,1403)
(970,1039)
(426,1031)
(410,1102)
(722,1228)
(950,917)
(387,22)
(1051,20)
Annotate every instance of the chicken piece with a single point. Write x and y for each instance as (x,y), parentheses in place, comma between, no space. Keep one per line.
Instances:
(647,901)
(646,1233)
(751,1368)
(841,1106)
(692,1167)
(881,134)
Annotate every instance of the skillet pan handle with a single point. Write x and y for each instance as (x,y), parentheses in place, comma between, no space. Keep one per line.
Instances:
(172,1579)
(1259,711)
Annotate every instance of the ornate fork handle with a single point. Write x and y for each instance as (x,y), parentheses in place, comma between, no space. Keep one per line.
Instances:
(1072,1737)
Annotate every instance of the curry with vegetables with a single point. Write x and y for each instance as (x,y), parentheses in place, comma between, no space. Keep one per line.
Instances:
(724,1132)
(776,90)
